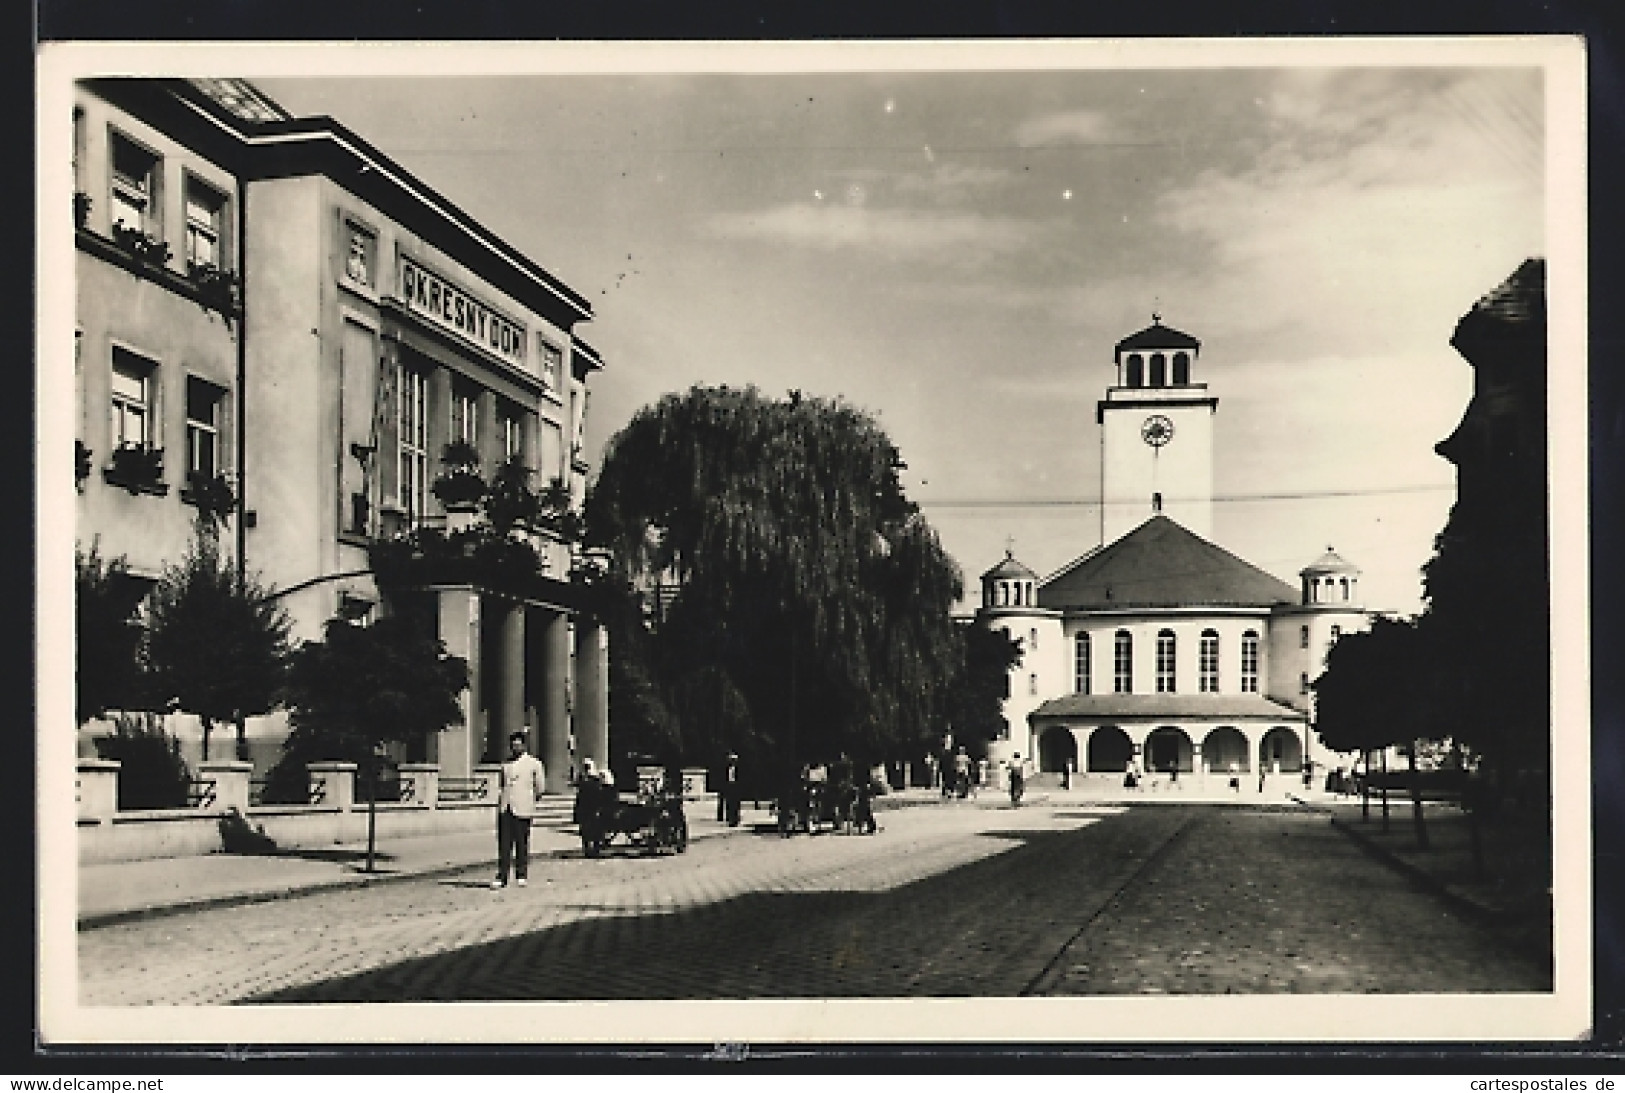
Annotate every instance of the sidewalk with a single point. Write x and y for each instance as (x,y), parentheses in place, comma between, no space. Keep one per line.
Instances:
(111,892)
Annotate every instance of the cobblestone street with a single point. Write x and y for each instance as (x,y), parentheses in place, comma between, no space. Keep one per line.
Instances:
(965,899)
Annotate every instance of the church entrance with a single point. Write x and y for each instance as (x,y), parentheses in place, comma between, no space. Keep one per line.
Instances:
(1109,750)
(1225,746)
(1167,749)
(1057,750)
(1281,749)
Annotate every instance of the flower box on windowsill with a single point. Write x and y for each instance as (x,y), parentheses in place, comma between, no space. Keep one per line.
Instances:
(212,495)
(216,288)
(137,468)
(141,246)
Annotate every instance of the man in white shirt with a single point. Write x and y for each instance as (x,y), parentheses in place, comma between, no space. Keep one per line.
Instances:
(522,783)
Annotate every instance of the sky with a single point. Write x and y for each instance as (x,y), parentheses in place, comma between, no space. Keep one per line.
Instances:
(959,252)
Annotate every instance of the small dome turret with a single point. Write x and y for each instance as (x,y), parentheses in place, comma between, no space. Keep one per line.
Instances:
(1158,356)
(1009,584)
(1331,579)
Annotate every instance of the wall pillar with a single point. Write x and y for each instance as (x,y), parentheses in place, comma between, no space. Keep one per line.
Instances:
(230,778)
(458,627)
(550,667)
(592,692)
(337,780)
(424,782)
(96,787)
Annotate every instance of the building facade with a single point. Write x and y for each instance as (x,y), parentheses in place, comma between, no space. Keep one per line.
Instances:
(1160,650)
(375,324)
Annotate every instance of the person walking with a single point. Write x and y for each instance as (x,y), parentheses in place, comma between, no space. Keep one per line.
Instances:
(1018,779)
(522,782)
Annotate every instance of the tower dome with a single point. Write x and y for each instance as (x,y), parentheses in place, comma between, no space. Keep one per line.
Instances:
(1331,579)
(1009,584)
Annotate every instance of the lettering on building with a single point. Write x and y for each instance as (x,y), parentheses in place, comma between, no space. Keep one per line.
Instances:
(448,306)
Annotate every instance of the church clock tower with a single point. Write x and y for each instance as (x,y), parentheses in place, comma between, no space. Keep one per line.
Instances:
(1156,435)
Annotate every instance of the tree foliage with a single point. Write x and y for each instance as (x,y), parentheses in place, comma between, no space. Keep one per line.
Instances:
(217,642)
(362,686)
(976,698)
(806,603)
(1374,692)
(108,636)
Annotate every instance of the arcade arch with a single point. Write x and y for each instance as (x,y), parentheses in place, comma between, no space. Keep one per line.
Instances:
(1168,749)
(1057,750)
(1109,750)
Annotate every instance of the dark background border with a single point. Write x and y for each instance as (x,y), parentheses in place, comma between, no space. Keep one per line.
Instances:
(484,20)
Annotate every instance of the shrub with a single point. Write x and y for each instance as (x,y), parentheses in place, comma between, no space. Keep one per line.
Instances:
(152,773)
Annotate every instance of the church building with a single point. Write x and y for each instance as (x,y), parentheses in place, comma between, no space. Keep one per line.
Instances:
(1159,650)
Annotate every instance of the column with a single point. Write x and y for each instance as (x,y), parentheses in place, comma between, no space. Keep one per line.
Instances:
(458,626)
(550,671)
(592,692)
(96,788)
(508,712)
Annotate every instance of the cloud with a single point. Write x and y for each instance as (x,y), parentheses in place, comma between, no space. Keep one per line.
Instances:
(1071,127)
(904,233)
(950,182)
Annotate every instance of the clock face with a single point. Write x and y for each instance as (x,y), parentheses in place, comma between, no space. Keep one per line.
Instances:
(1157,430)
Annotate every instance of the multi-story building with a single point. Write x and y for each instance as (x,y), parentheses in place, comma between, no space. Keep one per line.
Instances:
(1160,649)
(374,324)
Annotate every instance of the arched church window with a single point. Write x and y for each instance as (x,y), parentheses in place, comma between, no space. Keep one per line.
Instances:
(1123,663)
(1182,369)
(1345,583)
(1136,370)
(1337,631)
(1249,662)
(1159,370)
(1034,634)
(1165,662)
(1303,637)
(1080,664)
(1209,662)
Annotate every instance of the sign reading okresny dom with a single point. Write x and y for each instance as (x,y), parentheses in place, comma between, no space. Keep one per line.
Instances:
(446,305)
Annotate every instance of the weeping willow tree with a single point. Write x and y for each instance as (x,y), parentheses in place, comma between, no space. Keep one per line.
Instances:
(777,593)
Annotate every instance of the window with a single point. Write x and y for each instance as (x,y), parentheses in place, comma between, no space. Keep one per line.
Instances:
(1249,662)
(205,208)
(1034,634)
(1303,683)
(412,443)
(203,403)
(1209,666)
(1182,369)
(1080,664)
(1344,582)
(1337,631)
(1303,637)
(511,427)
(1165,662)
(134,184)
(1123,663)
(1136,370)
(132,399)
(552,366)
(1032,683)
(1159,370)
(465,415)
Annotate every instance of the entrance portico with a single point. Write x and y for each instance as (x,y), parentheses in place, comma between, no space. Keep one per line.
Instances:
(1195,734)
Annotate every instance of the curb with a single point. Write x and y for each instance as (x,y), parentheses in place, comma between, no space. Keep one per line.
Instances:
(310,888)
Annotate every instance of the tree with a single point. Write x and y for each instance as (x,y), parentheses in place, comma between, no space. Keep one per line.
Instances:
(791,601)
(981,684)
(362,687)
(1375,693)
(217,641)
(108,669)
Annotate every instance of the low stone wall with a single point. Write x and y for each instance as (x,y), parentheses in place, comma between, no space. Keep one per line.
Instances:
(108,835)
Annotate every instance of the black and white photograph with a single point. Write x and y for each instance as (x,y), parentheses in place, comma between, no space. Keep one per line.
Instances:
(1003,541)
